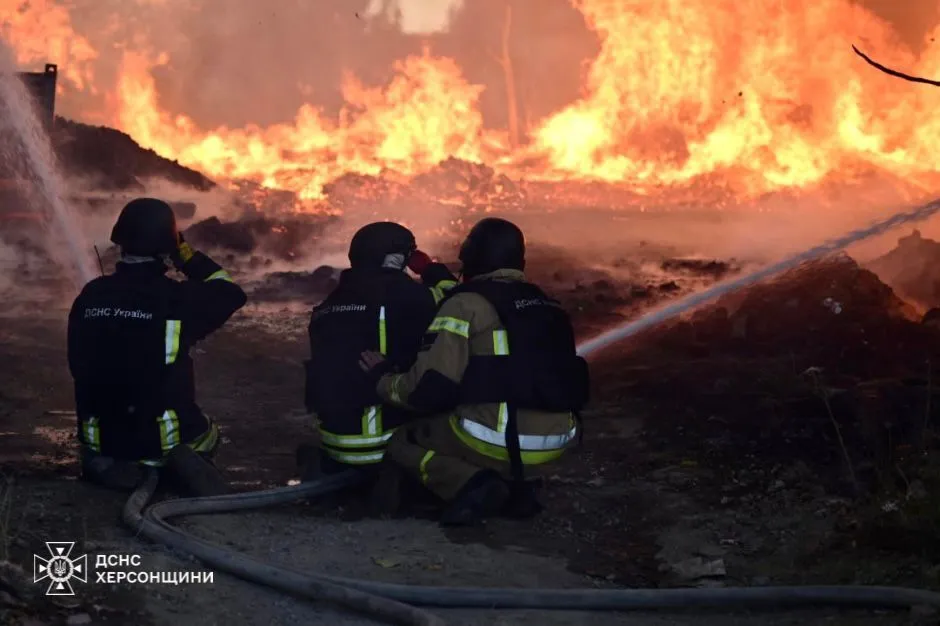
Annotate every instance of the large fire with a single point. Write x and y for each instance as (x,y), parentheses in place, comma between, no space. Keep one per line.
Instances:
(767,93)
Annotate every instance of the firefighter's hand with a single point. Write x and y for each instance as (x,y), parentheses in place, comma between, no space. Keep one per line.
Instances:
(369,361)
(184,252)
(374,365)
(419,262)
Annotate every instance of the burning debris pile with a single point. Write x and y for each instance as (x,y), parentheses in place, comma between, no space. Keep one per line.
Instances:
(469,188)
(109,160)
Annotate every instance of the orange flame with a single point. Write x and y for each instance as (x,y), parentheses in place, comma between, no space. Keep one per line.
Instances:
(767,93)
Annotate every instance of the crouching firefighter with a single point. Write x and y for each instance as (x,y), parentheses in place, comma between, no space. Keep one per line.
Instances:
(500,372)
(376,306)
(129,336)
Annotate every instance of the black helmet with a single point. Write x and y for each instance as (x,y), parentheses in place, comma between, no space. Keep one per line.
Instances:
(492,244)
(373,242)
(146,227)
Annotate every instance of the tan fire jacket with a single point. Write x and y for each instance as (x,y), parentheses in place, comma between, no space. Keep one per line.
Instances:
(465,325)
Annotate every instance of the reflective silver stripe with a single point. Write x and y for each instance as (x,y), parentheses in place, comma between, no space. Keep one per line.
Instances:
(92,433)
(371,421)
(353,440)
(526,442)
(169,430)
(172,340)
(356,458)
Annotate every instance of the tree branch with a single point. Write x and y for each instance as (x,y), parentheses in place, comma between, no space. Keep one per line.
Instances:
(895,73)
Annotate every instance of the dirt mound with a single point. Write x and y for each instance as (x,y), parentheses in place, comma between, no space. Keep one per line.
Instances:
(453,184)
(832,310)
(110,160)
(287,237)
(913,269)
(824,362)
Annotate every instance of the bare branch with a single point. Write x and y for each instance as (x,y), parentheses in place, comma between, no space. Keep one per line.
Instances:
(895,73)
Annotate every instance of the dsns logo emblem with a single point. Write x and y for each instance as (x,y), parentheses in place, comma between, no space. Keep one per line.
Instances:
(60,568)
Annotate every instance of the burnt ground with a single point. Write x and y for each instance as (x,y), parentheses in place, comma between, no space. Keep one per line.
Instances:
(710,458)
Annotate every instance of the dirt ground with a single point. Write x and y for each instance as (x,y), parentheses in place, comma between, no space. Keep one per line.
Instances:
(665,482)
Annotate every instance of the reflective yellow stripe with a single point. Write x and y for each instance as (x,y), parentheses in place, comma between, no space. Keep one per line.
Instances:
(423,467)
(354,441)
(451,325)
(169,430)
(501,348)
(500,343)
(220,275)
(383,339)
(371,435)
(355,458)
(372,421)
(439,291)
(172,340)
(92,434)
(204,443)
(500,453)
(503,418)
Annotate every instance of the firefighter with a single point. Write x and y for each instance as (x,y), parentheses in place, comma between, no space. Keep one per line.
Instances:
(129,336)
(375,306)
(501,374)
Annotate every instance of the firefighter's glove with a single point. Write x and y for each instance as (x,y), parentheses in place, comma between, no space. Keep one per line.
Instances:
(419,262)
(375,366)
(184,252)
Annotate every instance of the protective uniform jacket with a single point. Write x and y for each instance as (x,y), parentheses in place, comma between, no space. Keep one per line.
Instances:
(377,309)
(500,359)
(129,336)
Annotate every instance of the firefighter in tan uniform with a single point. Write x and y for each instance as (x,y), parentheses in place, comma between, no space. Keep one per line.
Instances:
(500,371)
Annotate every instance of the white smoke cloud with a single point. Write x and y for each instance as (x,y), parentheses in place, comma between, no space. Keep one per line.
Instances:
(418,17)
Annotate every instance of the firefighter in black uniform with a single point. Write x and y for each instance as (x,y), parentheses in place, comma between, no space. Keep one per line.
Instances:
(129,335)
(501,374)
(375,306)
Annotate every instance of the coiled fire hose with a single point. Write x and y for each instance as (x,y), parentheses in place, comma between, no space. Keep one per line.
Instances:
(396,603)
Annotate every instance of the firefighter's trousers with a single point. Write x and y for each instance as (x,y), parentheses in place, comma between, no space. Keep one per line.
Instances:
(124,475)
(430,451)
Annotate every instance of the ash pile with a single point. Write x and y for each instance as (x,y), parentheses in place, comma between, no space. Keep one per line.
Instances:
(781,371)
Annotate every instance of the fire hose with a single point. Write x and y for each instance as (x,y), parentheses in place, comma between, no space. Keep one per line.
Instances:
(397,603)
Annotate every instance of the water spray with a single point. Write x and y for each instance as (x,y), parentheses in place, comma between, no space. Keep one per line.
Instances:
(695,300)
(35,151)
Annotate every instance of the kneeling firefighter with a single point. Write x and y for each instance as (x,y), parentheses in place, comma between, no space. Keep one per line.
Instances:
(500,371)
(129,336)
(375,306)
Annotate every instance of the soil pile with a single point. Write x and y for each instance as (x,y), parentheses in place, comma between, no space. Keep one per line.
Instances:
(109,160)
(832,310)
(913,269)
(769,373)
(281,237)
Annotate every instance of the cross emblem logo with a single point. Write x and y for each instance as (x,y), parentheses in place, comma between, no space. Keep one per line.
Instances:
(60,568)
